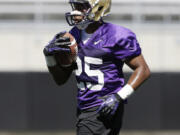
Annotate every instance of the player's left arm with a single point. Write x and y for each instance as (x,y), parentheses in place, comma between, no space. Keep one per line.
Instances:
(132,56)
(141,71)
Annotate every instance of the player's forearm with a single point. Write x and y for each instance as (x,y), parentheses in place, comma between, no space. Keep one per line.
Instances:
(139,75)
(60,75)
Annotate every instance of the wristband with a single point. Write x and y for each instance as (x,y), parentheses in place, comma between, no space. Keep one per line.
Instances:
(50,61)
(126,91)
(72,43)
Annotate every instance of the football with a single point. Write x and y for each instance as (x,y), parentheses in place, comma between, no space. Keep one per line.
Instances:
(66,59)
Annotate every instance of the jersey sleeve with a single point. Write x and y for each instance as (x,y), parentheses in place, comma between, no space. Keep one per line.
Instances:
(127,47)
(76,33)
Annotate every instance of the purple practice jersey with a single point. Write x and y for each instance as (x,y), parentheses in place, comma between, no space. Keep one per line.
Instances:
(100,62)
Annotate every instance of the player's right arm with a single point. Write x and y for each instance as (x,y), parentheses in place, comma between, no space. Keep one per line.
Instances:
(59,73)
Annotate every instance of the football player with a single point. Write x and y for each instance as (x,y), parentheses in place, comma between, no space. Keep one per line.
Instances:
(103,49)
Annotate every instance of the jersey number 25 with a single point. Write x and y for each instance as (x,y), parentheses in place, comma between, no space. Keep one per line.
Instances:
(91,73)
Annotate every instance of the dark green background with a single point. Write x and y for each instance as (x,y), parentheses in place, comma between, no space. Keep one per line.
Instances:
(32,101)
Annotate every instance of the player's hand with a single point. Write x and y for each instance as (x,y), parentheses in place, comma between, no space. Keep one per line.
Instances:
(110,104)
(58,45)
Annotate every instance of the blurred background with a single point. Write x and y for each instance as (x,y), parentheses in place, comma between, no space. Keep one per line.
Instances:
(31,103)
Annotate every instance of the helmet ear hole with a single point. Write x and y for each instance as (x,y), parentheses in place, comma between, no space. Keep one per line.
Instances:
(100,8)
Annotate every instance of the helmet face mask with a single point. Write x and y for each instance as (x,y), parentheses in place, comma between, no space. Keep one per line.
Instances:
(79,16)
(85,12)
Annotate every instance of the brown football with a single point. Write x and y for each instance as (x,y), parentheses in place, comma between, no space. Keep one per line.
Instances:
(66,59)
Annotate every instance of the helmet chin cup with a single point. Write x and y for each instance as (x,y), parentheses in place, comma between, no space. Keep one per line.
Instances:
(83,26)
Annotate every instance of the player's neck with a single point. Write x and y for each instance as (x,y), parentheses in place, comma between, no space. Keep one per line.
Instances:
(93,27)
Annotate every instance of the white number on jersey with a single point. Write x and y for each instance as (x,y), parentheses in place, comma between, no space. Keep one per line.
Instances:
(90,73)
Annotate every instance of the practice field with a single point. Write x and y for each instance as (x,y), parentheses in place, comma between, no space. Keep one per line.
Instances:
(73,133)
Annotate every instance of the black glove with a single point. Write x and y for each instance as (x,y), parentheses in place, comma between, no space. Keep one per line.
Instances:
(57,45)
(110,104)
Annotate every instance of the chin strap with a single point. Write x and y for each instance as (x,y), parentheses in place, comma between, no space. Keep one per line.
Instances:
(83,26)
